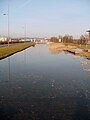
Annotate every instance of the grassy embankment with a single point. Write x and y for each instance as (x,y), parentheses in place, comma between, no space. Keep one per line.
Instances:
(7,51)
(70,46)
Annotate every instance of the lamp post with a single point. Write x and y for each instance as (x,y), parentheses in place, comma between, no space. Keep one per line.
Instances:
(8,24)
(25,32)
(24,27)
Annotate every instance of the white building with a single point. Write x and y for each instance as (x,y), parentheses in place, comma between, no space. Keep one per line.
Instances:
(60,40)
(3,39)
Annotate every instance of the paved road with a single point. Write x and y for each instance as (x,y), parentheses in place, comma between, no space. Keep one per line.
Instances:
(9,45)
(3,45)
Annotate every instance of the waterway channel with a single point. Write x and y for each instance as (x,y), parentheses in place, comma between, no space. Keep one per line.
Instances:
(36,84)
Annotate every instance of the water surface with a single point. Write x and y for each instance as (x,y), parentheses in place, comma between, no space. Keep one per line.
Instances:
(38,85)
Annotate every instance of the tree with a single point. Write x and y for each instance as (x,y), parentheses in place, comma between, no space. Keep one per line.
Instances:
(82,39)
(67,39)
(54,39)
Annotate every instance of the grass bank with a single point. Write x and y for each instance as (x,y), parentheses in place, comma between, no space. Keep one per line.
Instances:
(7,51)
(69,46)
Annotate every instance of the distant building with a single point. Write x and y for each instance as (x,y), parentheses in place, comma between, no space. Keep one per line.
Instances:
(60,40)
(3,39)
(88,39)
(88,35)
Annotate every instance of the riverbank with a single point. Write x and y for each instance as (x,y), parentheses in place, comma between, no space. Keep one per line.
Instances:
(81,50)
(7,51)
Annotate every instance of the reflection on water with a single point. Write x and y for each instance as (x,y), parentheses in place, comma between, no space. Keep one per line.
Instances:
(36,85)
(8,68)
(54,50)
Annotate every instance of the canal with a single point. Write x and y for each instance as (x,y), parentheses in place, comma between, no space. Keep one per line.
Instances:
(37,84)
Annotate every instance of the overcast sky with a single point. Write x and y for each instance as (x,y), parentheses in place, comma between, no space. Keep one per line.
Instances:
(45,18)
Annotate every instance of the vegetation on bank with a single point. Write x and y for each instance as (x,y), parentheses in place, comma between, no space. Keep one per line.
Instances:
(69,45)
(57,47)
(10,50)
(69,39)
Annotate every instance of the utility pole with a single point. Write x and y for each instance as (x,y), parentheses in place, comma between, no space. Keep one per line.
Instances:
(25,32)
(8,29)
(8,25)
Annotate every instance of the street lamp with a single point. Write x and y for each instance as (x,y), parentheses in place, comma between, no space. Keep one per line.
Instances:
(25,32)
(24,27)
(8,24)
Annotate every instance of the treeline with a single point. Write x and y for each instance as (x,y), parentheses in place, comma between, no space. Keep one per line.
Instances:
(69,39)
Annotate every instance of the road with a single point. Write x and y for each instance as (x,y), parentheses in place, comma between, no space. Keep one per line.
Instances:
(9,44)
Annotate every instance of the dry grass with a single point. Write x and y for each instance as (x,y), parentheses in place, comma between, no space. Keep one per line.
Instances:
(61,46)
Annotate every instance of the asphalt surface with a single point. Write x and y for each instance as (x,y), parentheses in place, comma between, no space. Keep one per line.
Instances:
(9,45)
